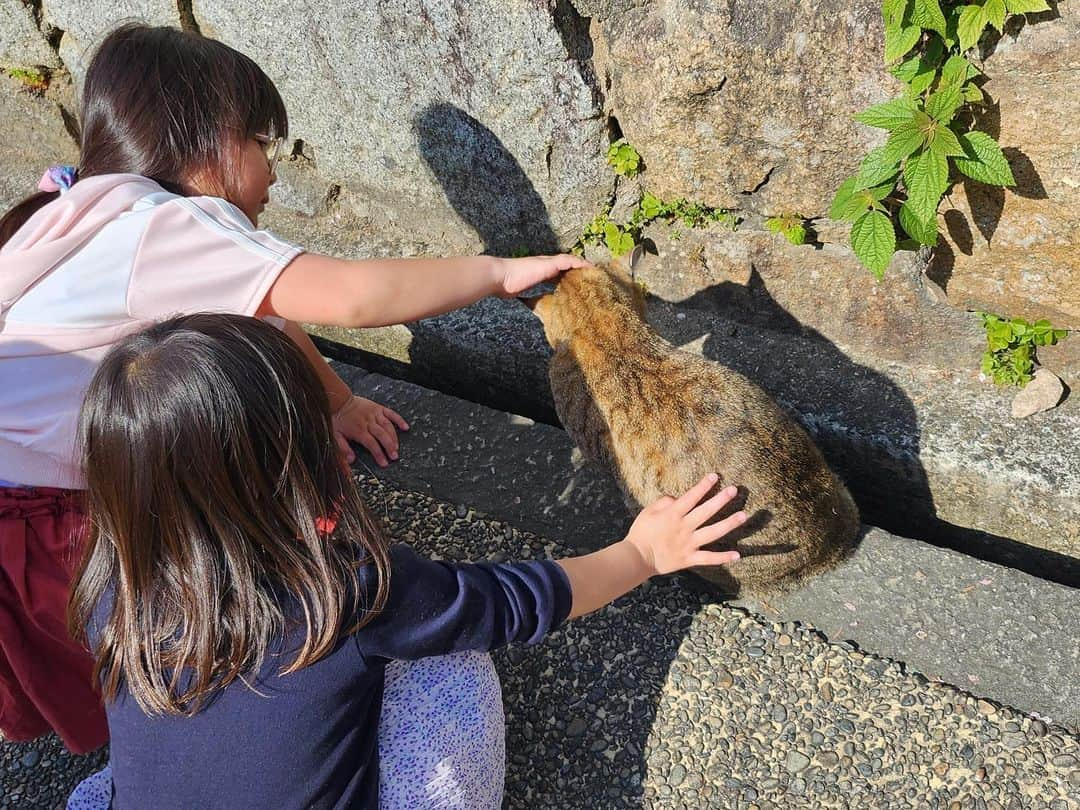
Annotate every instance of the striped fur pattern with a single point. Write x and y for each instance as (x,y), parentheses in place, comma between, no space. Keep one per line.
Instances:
(658,419)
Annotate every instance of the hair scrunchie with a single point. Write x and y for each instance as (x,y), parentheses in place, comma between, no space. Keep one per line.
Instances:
(58,178)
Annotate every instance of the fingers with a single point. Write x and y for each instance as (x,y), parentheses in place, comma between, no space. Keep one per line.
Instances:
(371,444)
(396,418)
(706,510)
(692,496)
(715,531)
(343,447)
(567,261)
(702,557)
(384,434)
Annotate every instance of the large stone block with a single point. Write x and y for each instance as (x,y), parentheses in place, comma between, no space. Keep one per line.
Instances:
(1017,251)
(21,43)
(34,138)
(86,24)
(466,126)
(745,105)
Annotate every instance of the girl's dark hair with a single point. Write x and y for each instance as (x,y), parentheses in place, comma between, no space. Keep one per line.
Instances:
(212,477)
(167,104)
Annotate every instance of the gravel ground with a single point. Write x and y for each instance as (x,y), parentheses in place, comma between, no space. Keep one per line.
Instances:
(666,700)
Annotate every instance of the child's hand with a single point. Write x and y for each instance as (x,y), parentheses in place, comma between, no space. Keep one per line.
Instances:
(369,424)
(670,533)
(520,274)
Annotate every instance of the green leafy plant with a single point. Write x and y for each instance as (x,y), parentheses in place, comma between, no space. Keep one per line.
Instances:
(931,127)
(34,80)
(621,238)
(624,158)
(1011,345)
(791,225)
(520,252)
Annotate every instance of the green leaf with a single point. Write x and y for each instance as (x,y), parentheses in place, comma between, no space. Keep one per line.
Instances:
(926,176)
(898,41)
(955,70)
(650,206)
(972,94)
(890,115)
(970,26)
(1026,6)
(942,105)
(893,11)
(874,241)
(994,11)
(927,14)
(876,168)
(902,142)
(985,161)
(946,143)
(847,204)
(925,233)
(916,73)
(881,192)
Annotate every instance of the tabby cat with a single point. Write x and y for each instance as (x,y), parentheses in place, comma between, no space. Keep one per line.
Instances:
(658,419)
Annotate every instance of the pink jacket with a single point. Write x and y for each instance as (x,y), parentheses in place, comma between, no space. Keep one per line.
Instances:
(109,256)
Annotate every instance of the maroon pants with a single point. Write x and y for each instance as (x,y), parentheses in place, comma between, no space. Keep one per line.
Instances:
(45,682)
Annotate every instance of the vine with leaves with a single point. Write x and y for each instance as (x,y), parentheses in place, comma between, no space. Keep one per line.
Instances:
(893,200)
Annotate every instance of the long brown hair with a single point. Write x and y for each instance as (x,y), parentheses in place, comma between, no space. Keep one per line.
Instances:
(167,104)
(212,474)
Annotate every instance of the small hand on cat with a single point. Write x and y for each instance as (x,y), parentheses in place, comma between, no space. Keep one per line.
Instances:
(518,275)
(667,536)
(670,533)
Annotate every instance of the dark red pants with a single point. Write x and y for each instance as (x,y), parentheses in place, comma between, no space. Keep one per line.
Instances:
(45,682)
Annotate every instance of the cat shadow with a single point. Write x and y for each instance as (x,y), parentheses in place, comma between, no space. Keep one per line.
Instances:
(864,424)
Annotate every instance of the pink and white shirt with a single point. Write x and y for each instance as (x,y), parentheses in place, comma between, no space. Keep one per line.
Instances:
(112,255)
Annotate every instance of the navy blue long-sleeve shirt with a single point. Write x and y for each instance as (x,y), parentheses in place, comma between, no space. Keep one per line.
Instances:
(309,740)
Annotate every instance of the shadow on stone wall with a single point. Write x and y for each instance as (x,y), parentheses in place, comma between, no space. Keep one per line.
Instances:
(483,182)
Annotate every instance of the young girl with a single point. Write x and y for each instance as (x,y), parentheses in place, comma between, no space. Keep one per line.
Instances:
(179,139)
(241,603)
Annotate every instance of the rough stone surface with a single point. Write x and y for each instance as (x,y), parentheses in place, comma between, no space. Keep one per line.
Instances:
(746,105)
(923,450)
(86,24)
(34,139)
(1041,394)
(951,617)
(21,42)
(469,126)
(1017,251)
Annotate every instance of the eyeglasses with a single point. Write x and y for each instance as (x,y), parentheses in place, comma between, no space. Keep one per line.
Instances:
(272,146)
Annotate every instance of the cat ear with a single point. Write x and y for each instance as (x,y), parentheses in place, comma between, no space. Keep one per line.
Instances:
(628,262)
(532,300)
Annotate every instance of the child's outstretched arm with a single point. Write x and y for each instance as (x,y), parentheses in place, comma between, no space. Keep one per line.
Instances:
(439,607)
(667,536)
(378,292)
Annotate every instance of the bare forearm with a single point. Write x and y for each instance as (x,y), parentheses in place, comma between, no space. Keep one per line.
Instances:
(409,289)
(379,292)
(336,389)
(603,576)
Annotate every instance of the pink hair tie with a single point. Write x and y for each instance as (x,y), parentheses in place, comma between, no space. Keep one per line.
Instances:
(58,178)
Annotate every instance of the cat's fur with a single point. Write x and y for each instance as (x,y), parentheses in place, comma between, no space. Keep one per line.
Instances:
(659,419)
